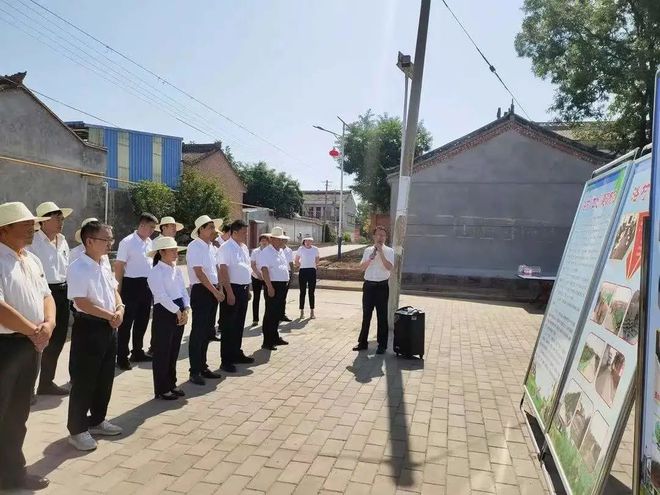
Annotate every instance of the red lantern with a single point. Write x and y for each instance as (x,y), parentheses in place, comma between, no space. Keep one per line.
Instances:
(333,152)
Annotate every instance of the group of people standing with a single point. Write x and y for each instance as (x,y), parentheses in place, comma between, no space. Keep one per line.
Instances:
(42,282)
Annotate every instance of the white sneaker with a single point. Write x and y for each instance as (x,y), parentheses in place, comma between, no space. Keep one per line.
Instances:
(83,441)
(106,428)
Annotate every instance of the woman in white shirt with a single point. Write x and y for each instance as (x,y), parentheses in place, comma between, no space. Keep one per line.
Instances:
(171,307)
(307,259)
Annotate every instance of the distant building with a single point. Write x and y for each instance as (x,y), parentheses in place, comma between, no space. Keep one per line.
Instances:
(211,162)
(135,155)
(324,205)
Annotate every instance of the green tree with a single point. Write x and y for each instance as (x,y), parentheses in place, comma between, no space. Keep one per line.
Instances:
(372,151)
(271,189)
(363,217)
(602,57)
(198,196)
(153,197)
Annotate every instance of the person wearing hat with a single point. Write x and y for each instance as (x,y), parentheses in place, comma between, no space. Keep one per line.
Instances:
(307,259)
(50,246)
(171,308)
(288,254)
(132,267)
(27,320)
(168,227)
(235,276)
(257,279)
(98,314)
(204,296)
(275,272)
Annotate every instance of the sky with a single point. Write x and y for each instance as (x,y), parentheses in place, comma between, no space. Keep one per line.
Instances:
(273,68)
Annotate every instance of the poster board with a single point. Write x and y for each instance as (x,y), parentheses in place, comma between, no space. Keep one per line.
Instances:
(595,401)
(566,312)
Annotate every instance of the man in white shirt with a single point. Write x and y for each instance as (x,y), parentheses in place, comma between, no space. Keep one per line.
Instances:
(275,272)
(77,251)
(257,279)
(204,296)
(235,276)
(98,314)
(377,263)
(51,248)
(27,319)
(132,268)
(288,254)
(168,227)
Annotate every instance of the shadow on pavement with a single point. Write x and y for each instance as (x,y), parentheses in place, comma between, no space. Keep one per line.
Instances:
(366,366)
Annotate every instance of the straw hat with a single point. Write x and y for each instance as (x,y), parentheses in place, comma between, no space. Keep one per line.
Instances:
(84,222)
(16,212)
(307,238)
(203,220)
(49,207)
(278,233)
(169,221)
(164,242)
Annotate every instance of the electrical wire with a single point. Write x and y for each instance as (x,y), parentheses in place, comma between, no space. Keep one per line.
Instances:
(490,66)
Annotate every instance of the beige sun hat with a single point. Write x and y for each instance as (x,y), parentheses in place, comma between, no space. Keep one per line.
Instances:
(84,222)
(308,238)
(169,221)
(49,207)
(16,212)
(203,220)
(164,242)
(278,233)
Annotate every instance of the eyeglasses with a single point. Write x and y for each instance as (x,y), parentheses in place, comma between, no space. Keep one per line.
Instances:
(108,241)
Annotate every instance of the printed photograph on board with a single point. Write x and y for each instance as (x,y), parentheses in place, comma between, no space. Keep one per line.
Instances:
(609,374)
(568,404)
(624,236)
(630,326)
(581,419)
(590,358)
(618,308)
(603,302)
(591,447)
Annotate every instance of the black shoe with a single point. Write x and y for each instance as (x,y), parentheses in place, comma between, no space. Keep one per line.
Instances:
(380,350)
(30,482)
(123,364)
(255,323)
(229,368)
(269,347)
(167,396)
(150,353)
(197,379)
(51,389)
(285,318)
(360,347)
(177,391)
(281,342)
(140,357)
(243,359)
(207,373)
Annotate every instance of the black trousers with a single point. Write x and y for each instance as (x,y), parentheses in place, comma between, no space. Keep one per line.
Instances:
(274,310)
(307,278)
(232,323)
(137,297)
(375,295)
(52,352)
(204,308)
(257,287)
(92,369)
(166,345)
(18,372)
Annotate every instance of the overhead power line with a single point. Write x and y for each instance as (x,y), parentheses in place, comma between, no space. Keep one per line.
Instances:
(491,67)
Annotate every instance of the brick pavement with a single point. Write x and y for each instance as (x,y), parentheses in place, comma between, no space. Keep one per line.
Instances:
(315,417)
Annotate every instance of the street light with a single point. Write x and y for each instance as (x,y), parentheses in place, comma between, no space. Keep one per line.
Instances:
(404,62)
(341,179)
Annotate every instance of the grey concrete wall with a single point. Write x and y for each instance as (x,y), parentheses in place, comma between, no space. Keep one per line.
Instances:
(505,202)
(30,132)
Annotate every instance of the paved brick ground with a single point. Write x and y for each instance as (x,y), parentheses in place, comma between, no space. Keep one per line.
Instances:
(315,417)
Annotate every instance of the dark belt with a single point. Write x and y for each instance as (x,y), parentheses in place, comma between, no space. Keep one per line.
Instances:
(59,286)
(88,317)
(376,284)
(12,336)
(241,286)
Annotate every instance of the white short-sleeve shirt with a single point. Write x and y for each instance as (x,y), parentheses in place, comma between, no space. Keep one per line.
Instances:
(203,255)
(133,251)
(376,272)
(166,284)
(79,250)
(307,256)
(275,261)
(288,254)
(54,257)
(93,281)
(237,259)
(23,284)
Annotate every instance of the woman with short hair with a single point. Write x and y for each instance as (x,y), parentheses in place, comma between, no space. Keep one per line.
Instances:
(307,259)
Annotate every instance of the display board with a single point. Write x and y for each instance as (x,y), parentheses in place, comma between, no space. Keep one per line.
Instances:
(650,434)
(595,401)
(566,309)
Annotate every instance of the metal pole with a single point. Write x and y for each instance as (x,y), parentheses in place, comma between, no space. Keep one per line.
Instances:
(405,176)
(341,188)
(325,209)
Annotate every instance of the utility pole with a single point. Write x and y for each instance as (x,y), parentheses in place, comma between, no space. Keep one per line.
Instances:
(325,210)
(407,158)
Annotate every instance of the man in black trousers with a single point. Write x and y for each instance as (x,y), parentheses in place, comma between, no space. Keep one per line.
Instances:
(235,277)
(377,263)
